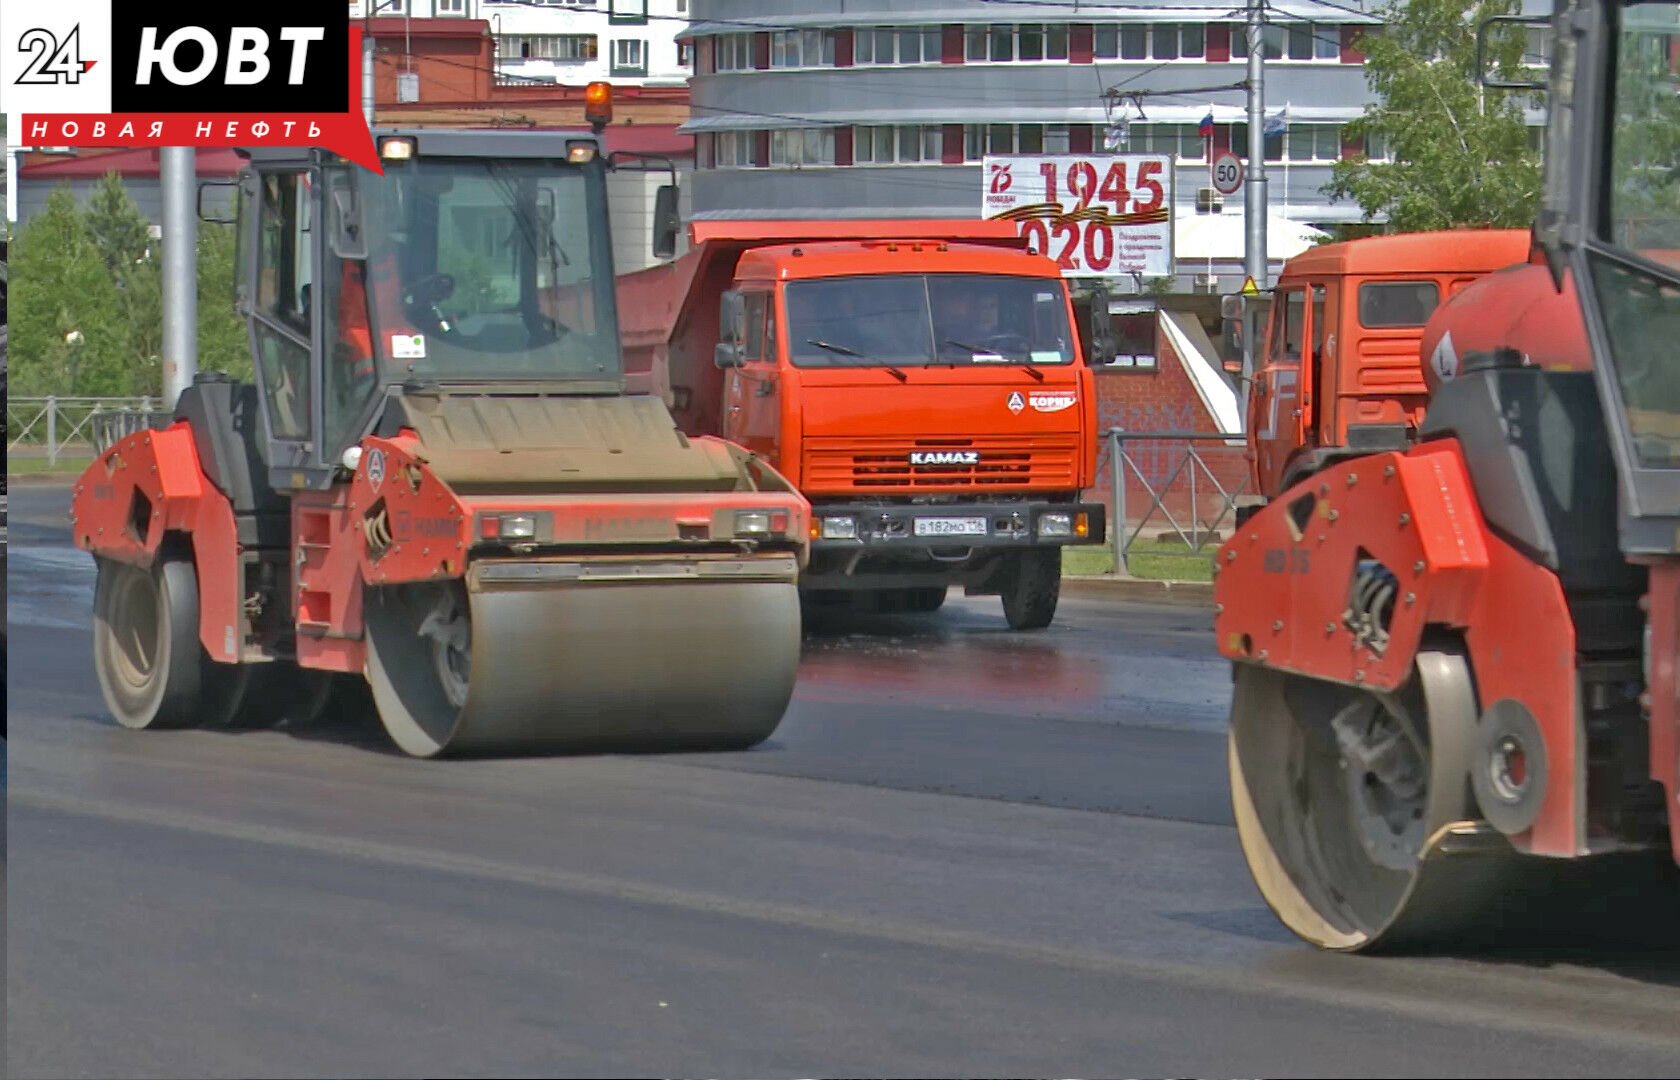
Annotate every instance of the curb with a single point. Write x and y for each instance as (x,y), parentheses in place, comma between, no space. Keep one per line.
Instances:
(1109,587)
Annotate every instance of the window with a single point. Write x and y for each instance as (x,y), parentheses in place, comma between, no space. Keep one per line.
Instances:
(1537,52)
(1055,138)
(629,57)
(1314,142)
(1376,147)
(627,12)
(285,273)
(757,303)
(1134,325)
(1030,44)
(451,7)
(732,149)
(802,48)
(907,145)
(564,47)
(1134,41)
(734,52)
(1056,42)
(802,146)
(685,54)
(1002,38)
(1105,42)
(1395,304)
(1291,41)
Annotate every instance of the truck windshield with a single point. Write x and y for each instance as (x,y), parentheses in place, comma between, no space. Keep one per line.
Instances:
(491,270)
(909,320)
(1640,296)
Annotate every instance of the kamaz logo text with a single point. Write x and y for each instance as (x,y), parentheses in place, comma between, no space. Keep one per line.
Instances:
(944,457)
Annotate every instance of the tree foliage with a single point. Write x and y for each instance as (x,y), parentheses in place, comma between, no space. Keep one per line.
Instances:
(1460,155)
(87,299)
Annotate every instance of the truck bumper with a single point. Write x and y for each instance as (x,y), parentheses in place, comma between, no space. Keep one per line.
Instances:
(983,527)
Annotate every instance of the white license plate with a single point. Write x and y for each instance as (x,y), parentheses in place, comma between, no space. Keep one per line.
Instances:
(968,526)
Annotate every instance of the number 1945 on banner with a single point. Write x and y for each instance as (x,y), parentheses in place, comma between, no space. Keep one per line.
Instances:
(1097,215)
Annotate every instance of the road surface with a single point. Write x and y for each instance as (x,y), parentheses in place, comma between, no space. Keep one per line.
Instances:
(966,851)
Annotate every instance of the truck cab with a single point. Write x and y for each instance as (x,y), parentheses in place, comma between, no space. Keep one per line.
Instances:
(1338,370)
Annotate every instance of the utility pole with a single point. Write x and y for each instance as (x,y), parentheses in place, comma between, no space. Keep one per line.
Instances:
(177,177)
(367,66)
(1254,185)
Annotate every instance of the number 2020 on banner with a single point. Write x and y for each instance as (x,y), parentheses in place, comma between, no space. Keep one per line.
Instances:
(1084,244)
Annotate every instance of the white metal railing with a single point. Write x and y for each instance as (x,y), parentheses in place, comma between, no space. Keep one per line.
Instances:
(54,426)
(1191,479)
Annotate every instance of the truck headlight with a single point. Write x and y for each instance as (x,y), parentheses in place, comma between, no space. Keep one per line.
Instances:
(1055,524)
(839,528)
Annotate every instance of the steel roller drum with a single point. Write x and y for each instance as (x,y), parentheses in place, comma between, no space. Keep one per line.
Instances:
(573,656)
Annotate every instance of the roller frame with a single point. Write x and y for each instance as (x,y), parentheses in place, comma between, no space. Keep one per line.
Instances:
(615,544)
(1281,591)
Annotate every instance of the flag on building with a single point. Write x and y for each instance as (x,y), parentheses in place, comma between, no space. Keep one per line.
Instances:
(1205,129)
(1277,123)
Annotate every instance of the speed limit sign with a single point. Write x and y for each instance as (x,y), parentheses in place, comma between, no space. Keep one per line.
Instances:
(1227,174)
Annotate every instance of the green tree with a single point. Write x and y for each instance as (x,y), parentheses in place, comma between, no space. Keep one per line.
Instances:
(67,330)
(122,235)
(223,343)
(1461,155)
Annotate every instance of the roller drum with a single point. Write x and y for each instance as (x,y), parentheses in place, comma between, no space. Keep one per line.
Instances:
(556,657)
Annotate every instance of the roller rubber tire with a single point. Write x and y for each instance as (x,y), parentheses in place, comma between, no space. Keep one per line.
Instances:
(152,670)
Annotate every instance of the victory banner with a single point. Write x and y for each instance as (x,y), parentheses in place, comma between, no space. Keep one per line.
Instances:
(1097,215)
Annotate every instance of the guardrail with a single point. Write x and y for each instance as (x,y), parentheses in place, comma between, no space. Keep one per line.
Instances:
(53,426)
(1187,483)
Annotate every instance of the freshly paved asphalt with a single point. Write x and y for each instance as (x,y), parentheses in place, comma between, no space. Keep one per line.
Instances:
(966,851)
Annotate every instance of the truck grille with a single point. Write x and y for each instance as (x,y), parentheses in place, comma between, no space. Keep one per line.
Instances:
(1042,462)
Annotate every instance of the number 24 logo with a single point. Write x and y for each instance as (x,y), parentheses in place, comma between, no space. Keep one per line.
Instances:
(52,62)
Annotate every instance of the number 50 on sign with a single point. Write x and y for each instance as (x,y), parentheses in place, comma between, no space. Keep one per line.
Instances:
(1097,215)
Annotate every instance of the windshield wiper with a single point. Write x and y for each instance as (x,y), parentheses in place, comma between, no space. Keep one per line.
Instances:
(1022,362)
(844,351)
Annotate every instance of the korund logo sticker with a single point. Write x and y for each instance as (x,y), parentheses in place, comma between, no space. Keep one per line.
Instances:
(1054,400)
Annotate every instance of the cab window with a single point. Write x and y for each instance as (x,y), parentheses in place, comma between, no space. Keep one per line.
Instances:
(1389,305)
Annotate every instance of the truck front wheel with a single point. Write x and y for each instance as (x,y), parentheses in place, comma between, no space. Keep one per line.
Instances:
(1031,586)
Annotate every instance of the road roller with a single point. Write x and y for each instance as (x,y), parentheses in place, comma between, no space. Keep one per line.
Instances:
(441,480)
(1454,628)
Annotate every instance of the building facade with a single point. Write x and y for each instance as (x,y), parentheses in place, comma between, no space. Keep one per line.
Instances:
(575,42)
(890,105)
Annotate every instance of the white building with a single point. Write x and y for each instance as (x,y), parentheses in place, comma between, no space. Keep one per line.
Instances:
(627,42)
(573,42)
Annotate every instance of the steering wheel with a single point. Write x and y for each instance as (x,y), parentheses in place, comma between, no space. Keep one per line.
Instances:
(1007,342)
(424,296)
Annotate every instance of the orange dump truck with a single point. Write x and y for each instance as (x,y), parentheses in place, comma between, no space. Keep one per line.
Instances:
(924,383)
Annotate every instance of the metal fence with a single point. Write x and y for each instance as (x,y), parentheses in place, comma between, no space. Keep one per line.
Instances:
(54,427)
(1182,485)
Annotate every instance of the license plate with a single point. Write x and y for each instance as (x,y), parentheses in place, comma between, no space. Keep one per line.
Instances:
(966,526)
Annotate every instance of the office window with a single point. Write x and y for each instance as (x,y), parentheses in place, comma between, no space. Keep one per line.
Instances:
(1177,41)
(1291,41)
(1327,42)
(1030,43)
(1056,41)
(734,52)
(1537,52)
(1002,40)
(1134,41)
(802,48)
(1376,147)
(1105,42)
(451,7)
(974,47)
(732,149)
(1029,138)
(1055,138)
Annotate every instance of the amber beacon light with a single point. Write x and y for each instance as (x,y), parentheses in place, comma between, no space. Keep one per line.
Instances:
(597,105)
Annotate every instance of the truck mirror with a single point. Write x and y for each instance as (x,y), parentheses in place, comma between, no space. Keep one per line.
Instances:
(212,216)
(727,355)
(1103,342)
(732,317)
(665,221)
(1231,306)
